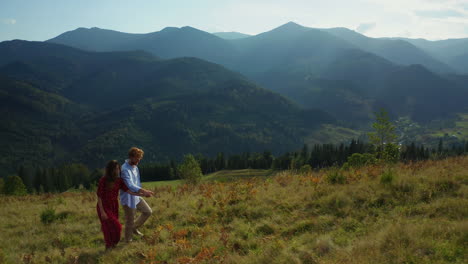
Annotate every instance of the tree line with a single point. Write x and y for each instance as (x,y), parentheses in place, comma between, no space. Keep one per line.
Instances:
(382,146)
(79,176)
(319,156)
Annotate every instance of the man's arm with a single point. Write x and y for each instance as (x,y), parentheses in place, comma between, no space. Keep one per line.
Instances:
(125,175)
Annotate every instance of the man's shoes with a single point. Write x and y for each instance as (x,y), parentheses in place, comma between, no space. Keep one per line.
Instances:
(136,232)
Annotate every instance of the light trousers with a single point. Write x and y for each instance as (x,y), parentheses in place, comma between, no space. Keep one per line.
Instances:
(130,223)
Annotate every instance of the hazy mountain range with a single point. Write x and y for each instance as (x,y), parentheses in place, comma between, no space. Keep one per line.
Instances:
(89,94)
(336,69)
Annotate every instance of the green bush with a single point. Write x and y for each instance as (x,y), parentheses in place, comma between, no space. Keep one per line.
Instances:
(387,177)
(335,177)
(265,229)
(14,186)
(190,170)
(49,215)
(306,169)
(359,160)
(391,153)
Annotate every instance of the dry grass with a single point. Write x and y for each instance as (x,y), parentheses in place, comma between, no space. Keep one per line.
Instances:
(418,214)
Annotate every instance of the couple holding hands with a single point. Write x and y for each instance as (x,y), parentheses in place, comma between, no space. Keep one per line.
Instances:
(126,179)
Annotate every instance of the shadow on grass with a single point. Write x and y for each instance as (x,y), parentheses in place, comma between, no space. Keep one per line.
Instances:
(90,257)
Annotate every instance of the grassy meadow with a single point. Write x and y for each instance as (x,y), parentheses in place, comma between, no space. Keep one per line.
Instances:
(405,213)
(460,128)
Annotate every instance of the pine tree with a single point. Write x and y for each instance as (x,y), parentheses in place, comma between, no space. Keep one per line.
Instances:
(384,137)
(190,170)
(14,186)
(2,185)
(220,161)
(440,147)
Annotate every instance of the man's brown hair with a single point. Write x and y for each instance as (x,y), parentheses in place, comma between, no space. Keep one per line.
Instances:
(135,152)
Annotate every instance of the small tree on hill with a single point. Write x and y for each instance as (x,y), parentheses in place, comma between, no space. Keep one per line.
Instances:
(384,137)
(14,186)
(190,170)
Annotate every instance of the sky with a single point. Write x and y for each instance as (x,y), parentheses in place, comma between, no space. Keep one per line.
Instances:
(40,20)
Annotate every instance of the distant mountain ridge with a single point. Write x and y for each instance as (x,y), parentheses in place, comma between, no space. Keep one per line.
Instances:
(395,50)
(64,104)
(451,51)
(296,61)
(399,51)
(231,35)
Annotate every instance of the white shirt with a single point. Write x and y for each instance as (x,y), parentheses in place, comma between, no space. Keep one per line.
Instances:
(131,177)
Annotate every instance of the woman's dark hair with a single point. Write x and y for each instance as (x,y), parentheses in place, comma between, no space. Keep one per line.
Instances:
(112,171)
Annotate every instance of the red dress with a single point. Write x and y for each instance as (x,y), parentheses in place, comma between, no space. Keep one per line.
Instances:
(111,227)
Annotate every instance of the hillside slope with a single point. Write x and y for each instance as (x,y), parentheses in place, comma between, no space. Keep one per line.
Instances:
(380,214)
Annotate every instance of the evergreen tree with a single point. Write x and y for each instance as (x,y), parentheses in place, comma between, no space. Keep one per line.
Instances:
(27,175)
(305,153)
(2,185)
(48,183)
(173,170)
(14,186)
(38,180)
(440,147)
(384,134)
(190,170)
(220,161)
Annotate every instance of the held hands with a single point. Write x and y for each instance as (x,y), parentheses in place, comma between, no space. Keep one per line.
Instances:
(149,193)
(146,193)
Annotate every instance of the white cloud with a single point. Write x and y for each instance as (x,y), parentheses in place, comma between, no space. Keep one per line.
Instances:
(439,13)
(9,21)
(430,19)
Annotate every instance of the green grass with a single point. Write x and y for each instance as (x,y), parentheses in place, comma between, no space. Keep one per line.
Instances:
(219,176)
(155,184)
(332,134)
(419,216)
(232,175)
(460,130)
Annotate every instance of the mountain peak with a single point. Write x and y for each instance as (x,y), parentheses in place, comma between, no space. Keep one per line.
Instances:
(288,29)
(169,29)
(290,25)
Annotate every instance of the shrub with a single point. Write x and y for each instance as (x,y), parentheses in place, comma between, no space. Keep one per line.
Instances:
(265,229)
(190,170)
(49,215)
(14,186)
(391,153)
(335,177)
(359,160)
(387,177)
(306,169)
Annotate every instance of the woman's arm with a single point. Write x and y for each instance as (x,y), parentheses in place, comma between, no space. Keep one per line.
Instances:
(101,208)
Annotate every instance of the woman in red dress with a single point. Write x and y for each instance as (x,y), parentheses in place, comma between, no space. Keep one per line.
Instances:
(108,204)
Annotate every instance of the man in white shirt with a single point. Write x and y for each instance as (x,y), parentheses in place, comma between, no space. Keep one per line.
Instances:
(132,203)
